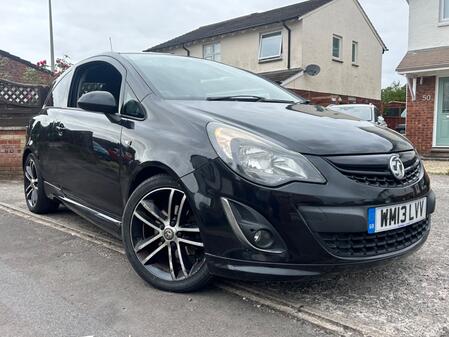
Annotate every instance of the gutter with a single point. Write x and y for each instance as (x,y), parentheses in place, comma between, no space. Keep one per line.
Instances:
(187,50)
(289,44)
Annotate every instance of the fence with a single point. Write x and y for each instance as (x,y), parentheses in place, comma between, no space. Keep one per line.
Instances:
(18,103)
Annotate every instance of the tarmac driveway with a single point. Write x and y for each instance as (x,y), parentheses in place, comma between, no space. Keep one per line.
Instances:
(408,297)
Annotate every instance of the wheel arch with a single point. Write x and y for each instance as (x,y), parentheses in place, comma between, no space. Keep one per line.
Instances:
(148,170)
(25,154)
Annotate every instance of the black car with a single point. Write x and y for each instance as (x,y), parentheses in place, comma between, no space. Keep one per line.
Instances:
(207,170)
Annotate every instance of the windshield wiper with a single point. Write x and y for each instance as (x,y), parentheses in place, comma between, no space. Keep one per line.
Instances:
(235,98)
(250,98)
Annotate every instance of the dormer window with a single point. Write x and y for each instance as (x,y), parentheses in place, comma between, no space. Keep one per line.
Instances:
(444,11)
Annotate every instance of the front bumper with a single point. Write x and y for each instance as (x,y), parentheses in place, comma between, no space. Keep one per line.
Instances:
(298,212)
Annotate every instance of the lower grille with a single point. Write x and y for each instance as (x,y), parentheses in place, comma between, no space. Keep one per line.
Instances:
(366,245)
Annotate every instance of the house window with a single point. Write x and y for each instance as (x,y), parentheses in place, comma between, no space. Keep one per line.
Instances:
(337,42)
(212,52)
(270,46)
(444,10)
(355,52)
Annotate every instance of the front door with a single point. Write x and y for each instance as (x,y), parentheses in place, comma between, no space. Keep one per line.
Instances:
(91,164)
(442,134)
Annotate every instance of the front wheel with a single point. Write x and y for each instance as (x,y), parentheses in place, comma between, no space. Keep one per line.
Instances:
(162,238)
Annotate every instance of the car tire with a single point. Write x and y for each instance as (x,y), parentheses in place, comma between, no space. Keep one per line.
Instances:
(35,197)
(170,262)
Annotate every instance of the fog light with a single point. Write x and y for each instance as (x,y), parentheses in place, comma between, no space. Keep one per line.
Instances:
(263,239)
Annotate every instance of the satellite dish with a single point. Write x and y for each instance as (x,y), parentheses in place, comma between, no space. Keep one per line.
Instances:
(312,70)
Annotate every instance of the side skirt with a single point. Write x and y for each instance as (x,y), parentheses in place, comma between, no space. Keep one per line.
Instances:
(107,223)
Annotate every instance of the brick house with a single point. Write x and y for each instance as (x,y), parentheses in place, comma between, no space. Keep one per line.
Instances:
(280,43)
(426,67)
(23,87)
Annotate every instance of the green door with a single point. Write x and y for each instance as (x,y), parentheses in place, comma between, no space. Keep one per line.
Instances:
(442,136)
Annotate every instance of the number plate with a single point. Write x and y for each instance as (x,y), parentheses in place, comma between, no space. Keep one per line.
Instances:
(381,219)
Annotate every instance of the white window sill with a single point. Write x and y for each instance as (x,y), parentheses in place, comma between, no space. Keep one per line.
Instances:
(335,59)
(444,23)
(355,64)
(270,59)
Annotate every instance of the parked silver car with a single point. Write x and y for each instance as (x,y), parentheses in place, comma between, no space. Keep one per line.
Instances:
(366,112)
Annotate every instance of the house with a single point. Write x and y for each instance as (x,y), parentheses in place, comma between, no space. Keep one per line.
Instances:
(426,67)
(16,69)
(23,88)
(336,35)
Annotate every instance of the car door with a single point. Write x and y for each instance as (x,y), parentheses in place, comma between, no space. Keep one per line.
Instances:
(51,151)
(90,172)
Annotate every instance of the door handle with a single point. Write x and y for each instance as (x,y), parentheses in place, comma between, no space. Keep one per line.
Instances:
(60,128)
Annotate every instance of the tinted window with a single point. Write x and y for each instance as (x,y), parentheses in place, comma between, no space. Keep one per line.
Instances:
(95,76)
(177,77)
(60,91)
(131,105)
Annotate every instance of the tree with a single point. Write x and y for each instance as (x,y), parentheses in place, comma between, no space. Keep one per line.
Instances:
(395,92)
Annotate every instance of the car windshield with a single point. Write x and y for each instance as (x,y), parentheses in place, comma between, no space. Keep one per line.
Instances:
(360,112)
(180,78)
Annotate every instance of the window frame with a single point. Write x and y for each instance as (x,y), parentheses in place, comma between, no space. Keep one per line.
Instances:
(355,53)
(443,4)
(122,106)
(74,87)
(281,45)
(338,58)
(214,53)
(67,75)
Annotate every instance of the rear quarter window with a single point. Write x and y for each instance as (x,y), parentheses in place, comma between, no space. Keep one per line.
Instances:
(59,93)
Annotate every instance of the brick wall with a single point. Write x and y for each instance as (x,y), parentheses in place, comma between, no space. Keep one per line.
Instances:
(22,71)
(420,115)
(326,99)
(12,142)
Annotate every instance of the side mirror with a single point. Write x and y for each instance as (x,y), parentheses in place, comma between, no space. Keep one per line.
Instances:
(99,101)
(381,120)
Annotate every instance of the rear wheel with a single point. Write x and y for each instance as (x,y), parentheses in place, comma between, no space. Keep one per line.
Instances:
(33,184)
(162,238)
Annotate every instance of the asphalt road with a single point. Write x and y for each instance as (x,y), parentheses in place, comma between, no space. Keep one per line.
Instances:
(55,284)
(408,297)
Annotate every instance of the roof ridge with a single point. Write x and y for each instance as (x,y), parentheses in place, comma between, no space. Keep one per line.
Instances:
(247,21)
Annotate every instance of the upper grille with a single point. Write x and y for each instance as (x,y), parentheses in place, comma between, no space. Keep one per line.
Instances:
(366,245)
(374,170)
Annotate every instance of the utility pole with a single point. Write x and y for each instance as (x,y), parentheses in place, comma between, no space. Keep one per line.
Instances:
(52,48)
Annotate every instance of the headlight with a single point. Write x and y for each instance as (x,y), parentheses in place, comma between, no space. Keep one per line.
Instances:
(260,160)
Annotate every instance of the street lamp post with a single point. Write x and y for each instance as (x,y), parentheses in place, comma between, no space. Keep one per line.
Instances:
(52,50)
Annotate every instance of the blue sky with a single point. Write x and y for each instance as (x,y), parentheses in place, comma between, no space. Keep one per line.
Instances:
(83,27)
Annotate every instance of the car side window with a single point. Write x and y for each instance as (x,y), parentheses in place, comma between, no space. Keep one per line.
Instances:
(95,76)
(377,113)
(131,105)
(58,95)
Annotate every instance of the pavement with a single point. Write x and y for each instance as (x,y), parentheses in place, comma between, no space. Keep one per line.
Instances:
(437,166)
(73,280)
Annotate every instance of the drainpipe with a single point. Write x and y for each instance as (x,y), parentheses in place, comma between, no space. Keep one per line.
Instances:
(188,51)
(289,44)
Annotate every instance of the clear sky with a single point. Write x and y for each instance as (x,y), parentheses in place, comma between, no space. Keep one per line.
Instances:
(83,27)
